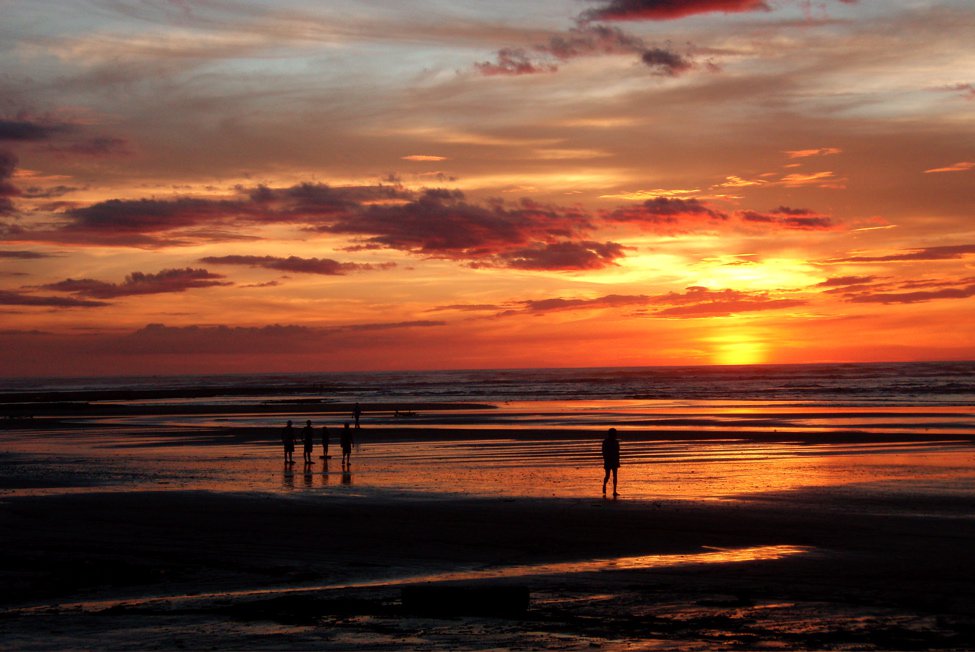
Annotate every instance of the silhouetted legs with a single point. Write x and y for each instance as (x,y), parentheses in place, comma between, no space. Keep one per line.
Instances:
(614,471)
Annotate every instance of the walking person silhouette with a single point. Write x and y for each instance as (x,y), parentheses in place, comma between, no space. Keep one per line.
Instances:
(611,459)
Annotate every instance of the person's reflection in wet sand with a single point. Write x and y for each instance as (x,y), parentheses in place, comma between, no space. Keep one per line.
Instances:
(324,480)
(345,440)
(288,479)
(346,476)
(308,477)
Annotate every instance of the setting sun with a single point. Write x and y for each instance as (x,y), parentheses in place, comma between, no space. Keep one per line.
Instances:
(739,347)
(299,186)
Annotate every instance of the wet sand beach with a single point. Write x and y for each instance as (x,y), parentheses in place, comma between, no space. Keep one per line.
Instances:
(147,535)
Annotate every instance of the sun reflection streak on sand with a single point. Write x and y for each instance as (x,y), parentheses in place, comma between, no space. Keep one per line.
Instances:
(641,562)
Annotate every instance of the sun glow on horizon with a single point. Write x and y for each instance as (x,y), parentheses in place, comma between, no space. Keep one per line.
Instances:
(738,347)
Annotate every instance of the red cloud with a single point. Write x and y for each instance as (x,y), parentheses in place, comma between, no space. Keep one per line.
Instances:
(325,266)
(168,280)
(8,298)
(664,211)
(703,302)
(694,302)
(916,297)
(608,301)
(24,255)
(158,222)
(564,256)
(790,218)
(669,9)
(949,252)
(441,223)
(846,281)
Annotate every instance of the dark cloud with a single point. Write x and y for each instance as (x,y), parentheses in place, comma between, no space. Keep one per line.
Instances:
(693,302)
(790,218)
(607,301)
(513,61)
(8,163)
(24,255)
(10,298)
(168,280)
(146,216)
(949,252)
(274,338)
(315,201)
(846,281)
(268,284)
(35,192)
(436,222)
(665,211)
(467,307)
(325,266)
(668,9)
(27,130)
(703,302)
(441,223)
(565,256)
(96,147)
(915,297)
(386,326)
(169,222)
(666,62)
(585,39)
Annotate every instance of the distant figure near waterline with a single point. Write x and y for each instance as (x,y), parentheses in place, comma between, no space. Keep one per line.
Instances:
(308,439)
(288,439)
(346,441)
(611,459)
(325,443)
(356,413)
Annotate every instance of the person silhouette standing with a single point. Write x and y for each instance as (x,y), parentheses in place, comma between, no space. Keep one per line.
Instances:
(346,441)
(356,413)
(325,443)
(288,439)
(308,439)
(611,459)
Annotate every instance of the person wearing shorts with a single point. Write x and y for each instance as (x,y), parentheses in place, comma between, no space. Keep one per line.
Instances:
(308,439)
(288,440)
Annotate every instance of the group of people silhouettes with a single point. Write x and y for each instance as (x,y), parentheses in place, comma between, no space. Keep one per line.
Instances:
(289,437)
(610,447)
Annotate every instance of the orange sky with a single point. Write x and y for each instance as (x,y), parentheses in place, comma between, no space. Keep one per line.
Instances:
(204,187)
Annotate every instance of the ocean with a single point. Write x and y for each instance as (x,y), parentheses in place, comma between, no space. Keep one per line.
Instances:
(687,431)
(912,383)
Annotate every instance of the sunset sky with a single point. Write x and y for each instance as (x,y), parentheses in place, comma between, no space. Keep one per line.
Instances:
(209,186)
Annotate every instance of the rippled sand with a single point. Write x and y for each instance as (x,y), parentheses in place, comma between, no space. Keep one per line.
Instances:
(777,527)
